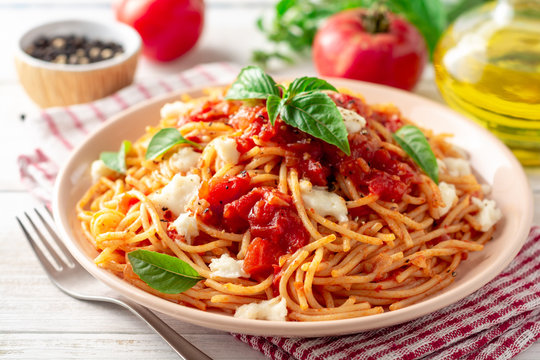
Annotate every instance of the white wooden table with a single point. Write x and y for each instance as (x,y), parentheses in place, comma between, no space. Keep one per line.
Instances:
(36,319)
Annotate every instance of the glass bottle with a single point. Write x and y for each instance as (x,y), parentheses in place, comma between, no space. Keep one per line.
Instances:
(487,66)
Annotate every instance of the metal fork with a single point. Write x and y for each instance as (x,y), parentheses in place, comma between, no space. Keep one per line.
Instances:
(68,275)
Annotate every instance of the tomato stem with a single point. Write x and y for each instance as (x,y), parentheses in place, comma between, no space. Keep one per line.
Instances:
(376,19)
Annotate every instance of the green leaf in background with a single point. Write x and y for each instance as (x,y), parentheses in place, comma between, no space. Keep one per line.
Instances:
(252,83)
(412,140)
(317,115)
(308,85)
(296,22)
(163,272)
(164,140)
(116,160)
(428,16)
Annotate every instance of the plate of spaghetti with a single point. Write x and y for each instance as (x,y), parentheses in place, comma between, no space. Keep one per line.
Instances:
(307,208)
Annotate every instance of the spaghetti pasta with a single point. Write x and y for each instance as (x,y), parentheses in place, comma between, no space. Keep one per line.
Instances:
(374,239)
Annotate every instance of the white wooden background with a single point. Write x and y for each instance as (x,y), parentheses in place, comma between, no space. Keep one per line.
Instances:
(36,319)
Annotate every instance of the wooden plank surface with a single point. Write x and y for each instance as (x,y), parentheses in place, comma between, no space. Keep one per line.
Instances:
(36,319)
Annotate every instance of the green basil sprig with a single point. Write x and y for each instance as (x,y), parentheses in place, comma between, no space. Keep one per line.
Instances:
(302,105)
(116,160)
(163,272)
(412,140)
(163,140)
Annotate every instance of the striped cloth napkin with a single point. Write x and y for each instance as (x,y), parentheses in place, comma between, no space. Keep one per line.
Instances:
(497,322)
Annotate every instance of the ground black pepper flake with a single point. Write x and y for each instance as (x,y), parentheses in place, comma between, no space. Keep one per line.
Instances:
(454,274)
(22,117)
(73,49)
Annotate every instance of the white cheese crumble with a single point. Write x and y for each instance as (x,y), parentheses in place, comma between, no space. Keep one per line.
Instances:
(488,214)
(449,196)
(353,122)
(225,266)
(273,309)
(186,225)
(99,169)
(185,159)
(177,193)
(226,150)
(457,167)
(323,202)
(175,109)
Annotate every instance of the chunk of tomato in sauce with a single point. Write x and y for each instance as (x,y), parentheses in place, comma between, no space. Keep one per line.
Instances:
(261,255)
(220,192)
(270,217)
(212,110)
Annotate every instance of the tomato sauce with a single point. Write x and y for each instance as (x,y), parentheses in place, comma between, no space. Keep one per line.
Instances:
(272,221)
(270,215)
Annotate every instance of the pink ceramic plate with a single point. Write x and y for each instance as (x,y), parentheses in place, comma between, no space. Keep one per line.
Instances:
(491,160)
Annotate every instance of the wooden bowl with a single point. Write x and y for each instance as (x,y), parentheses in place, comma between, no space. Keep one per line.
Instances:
(50,84)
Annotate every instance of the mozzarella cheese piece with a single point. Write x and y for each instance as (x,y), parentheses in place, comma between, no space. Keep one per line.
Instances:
(225,266)
(457,166)
(488,214)
(186,225)
(185,159)
(273,309)
(98,169)
(175,109)
(226,150)
(449,196)
(353,122)
(323,202)
(179,192)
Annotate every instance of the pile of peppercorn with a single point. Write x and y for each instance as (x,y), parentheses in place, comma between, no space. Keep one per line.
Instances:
(73,49)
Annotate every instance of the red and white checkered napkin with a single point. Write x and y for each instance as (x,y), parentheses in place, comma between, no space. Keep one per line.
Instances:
(496,322)
(57,131)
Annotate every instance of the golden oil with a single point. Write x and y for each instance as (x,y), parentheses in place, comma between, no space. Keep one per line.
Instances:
(487,66)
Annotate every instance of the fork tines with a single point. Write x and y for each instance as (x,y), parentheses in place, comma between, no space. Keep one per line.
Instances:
(39,231)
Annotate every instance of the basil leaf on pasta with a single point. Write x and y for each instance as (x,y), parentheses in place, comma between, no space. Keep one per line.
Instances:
(317,115)
(252,83)
(414,143)
(116,160)
(273,106)
(163,141)
(163,272)
(308,85)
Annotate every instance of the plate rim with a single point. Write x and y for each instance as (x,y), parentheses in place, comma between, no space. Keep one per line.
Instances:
(276,328)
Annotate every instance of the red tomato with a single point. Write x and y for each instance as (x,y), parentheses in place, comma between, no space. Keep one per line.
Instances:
(168,28)
(352,45)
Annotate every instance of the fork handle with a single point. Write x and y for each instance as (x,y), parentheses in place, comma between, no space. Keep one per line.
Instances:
(183,348)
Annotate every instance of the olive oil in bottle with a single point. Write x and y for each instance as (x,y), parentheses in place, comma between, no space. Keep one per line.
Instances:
(487,66)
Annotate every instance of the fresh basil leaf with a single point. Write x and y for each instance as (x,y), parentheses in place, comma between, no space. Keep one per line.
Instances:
(317,115)
(163,272)
(116,160)
(412,140)
(252,83)
(163,140)
(308,85)
(273,106)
